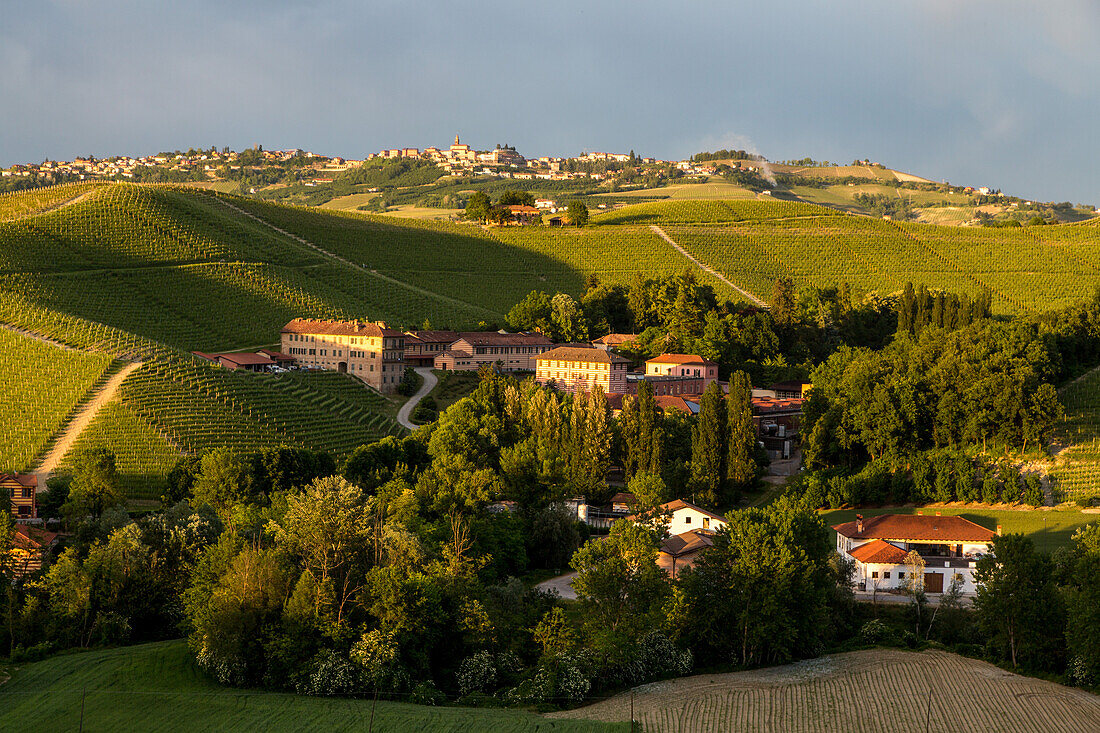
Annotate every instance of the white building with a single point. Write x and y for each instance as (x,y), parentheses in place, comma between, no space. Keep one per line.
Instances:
(681,516)
(949,546)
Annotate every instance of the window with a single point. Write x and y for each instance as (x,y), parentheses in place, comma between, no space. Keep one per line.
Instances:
(874,574)
(901,575)
(687,519)
(706,522)
(28,492)
(886,575)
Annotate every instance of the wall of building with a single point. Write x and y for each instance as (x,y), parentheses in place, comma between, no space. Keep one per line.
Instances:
(378,361)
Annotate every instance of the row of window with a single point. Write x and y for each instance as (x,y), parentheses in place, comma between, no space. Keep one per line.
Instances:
(511,349)
(396,343)
(27,492)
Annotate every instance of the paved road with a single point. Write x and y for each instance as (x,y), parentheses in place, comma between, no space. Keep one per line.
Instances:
(563,584)
(430,381)
(82,420)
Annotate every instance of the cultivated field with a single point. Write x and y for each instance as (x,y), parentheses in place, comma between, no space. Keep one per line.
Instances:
(876,691)
(156,687)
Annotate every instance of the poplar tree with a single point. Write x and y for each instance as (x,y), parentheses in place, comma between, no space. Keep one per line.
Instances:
(741,463)
(709,441)
(643,435)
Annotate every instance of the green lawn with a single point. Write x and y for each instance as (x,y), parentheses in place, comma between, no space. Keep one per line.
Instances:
(1049,529)
(452,387)
(155,687)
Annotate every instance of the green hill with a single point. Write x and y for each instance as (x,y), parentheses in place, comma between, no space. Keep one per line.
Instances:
(153,272)
(156,687)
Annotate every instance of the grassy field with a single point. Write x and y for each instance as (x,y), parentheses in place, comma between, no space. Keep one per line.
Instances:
(1049,529)
(873,691)
(452,387)
(155,687)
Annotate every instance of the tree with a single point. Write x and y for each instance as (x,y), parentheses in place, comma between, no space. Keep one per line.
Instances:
(533,313)
(327,525)
(95,484)
(913,586)
(1018,603)
(643,436)
(649,491)
(619,586)
(568,319)
(741,463)
(478,206)
(783,302)
(511,197)
(1081,563)
(577,212)
(709,446)
(224,482)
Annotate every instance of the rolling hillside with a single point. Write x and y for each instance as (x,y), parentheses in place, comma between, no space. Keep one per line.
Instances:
(156,687)
(150,273)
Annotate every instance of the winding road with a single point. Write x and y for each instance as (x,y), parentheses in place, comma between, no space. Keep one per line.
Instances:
(430,380)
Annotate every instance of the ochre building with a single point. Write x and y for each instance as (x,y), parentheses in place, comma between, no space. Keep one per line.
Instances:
(579,369)
(369,351)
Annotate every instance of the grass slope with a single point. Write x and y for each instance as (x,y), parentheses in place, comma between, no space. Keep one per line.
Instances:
(155,687)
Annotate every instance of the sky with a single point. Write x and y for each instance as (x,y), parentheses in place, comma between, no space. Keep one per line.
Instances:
(1000,93)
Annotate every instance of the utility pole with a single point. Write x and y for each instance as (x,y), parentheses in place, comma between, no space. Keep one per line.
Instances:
(83,692)
(372,707)
(632,711)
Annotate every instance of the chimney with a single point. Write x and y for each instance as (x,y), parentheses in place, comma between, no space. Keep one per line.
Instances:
(859,523)
(998,530)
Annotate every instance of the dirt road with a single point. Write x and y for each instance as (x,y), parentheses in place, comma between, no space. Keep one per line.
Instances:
(430,380)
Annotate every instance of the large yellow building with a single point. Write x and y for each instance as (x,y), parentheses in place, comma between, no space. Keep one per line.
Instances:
(369,351)
(579,369)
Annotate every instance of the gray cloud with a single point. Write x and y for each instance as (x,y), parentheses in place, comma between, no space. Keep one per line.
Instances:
(999,93)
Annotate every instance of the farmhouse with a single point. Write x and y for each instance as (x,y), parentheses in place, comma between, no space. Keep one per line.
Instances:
(421,347)
(30,545)
(510,352)
(682,365)
(369,351)
(22,488)
(263,360)
(949,546)
(580,368)
(682,550)
(614,340)
(681,516)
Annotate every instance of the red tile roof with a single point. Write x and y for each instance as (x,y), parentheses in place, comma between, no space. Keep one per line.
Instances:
(276,355)
(24,479)
(878,551)
(687,543)
(680,359)
(615,339)
(338,328)
(28,537)
(245,359)
(917,528)
(580,353)
(434,337)
(672,506)
(493,338)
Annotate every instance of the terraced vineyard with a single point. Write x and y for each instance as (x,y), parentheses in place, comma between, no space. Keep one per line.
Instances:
(16,204)
(1077,468)
(42,384)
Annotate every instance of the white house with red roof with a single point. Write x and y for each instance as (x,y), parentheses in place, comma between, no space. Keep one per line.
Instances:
(690,531)
(950,547)
(682,365)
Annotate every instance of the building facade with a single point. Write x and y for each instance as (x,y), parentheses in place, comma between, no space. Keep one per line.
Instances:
(421,347)
(580,369)
(368,351)
(509,352)
(949,546)
(22,488)
(682,365)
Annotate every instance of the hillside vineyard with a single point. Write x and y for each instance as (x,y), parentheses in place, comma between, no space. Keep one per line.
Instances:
(149,273)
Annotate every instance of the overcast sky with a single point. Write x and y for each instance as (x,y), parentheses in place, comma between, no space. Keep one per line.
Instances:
(1003,93)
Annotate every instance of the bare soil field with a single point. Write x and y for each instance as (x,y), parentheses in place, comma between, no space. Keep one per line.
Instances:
(876,690)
